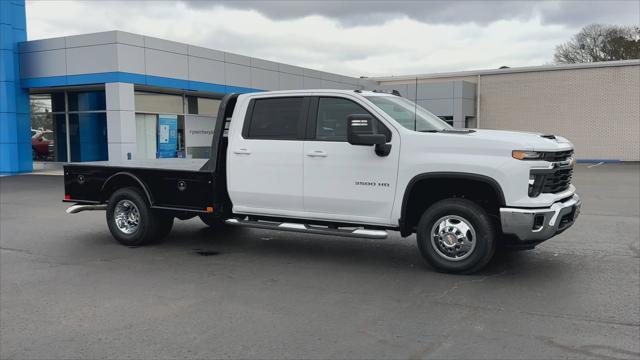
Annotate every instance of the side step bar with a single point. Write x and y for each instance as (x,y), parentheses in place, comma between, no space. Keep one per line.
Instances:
(73,209)
(303,228)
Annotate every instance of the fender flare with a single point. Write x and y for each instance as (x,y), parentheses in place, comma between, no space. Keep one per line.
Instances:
(444,174)
(130,175)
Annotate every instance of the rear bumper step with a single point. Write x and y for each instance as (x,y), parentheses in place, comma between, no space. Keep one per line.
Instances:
(304,228)
(73,209)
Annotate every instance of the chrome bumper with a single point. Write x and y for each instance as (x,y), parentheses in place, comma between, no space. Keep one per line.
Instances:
(540,224)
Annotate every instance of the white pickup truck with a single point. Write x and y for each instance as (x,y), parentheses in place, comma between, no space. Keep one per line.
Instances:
(346,163)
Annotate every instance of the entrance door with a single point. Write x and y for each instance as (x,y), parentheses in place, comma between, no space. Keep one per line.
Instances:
(265,163)
(344,182)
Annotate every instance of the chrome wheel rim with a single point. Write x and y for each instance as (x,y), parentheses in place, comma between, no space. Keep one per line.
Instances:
(127,216)
(453,238)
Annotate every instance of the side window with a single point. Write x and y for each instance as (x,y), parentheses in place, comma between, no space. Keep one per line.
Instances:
(331,123)
(276,118)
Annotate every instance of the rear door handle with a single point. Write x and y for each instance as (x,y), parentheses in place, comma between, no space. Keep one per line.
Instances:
(242,152)
(317,153)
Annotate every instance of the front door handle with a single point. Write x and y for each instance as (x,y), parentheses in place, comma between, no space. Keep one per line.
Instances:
(317,153)
(242,152)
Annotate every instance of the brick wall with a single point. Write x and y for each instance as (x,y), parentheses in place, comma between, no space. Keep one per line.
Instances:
(598,109)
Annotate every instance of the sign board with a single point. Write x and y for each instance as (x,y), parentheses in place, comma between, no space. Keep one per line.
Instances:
(167,136)
(198,131)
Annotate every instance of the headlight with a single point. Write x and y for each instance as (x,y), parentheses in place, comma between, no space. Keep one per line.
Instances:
(526,155)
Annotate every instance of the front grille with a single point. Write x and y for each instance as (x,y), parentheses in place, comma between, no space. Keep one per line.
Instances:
(553,180)
(557,181)
(557,156)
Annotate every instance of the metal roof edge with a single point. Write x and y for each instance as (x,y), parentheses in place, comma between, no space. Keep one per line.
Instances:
(553,67)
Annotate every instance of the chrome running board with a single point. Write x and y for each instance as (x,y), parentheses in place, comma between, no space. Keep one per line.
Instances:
(309,229)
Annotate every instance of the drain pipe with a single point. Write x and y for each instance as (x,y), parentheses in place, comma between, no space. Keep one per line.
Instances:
(478,102)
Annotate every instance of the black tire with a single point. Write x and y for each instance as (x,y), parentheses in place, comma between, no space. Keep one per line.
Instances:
(146,228)
(213,221)
(460,211)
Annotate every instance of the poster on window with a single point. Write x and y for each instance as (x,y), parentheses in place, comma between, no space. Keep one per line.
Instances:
(167,136)
(198,130)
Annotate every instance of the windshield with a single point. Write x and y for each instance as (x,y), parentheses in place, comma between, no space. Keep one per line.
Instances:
(408,114)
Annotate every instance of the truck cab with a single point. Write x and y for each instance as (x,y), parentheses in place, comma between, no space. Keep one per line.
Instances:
(361,163)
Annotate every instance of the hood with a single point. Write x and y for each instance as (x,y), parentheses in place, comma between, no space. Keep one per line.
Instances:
(524,140)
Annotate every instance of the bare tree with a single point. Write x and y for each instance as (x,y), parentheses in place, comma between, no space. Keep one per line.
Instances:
(598,42)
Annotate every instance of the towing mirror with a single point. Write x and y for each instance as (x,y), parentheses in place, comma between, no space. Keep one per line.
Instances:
(361,131)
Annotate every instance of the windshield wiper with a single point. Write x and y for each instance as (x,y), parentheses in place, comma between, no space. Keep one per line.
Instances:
(429,131)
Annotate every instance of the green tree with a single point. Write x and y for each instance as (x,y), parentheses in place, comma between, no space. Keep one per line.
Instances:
(598,42)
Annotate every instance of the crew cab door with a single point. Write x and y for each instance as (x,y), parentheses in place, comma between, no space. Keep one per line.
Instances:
(265,157)
(343,182)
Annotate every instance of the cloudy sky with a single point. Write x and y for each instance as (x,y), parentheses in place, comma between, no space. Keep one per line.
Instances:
(352,38)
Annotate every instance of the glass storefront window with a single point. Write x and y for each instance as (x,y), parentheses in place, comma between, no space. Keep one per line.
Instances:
(87,100)
(58,150)
(158,103)
(49,137)
(46,103)
(88,136)
(193,137)
(202,106)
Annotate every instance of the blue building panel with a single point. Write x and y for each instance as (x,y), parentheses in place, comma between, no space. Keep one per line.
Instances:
(15,137)
(137,79)
(8,128)
(202,86)
(7,65)
(6,37)
(23,127)
(8,96)
(6,12)
(19,15)
(9,158)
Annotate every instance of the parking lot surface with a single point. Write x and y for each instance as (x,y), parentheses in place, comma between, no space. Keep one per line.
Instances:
(67,290)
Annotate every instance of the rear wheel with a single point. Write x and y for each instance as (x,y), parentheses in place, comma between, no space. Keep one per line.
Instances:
(456,235)
(130,218)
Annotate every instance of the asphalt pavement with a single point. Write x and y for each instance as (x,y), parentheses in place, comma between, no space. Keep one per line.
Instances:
(68,290)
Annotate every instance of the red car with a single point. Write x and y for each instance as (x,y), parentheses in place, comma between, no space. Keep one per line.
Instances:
(40,145)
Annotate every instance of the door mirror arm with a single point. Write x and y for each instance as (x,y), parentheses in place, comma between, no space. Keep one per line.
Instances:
(383,150)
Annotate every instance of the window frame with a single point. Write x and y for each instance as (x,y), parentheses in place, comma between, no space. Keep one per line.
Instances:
(312,121)
(302,120)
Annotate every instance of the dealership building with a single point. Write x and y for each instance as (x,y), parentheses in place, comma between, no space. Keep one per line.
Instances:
(109,95)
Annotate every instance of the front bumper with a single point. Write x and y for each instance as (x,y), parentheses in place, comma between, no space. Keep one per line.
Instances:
(537,225)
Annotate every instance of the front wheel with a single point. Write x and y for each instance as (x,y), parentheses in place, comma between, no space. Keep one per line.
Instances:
(456,235)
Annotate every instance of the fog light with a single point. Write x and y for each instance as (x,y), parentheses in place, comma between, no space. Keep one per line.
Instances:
(538,222)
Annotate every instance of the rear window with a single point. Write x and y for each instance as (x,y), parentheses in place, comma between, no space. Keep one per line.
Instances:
(277,118)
